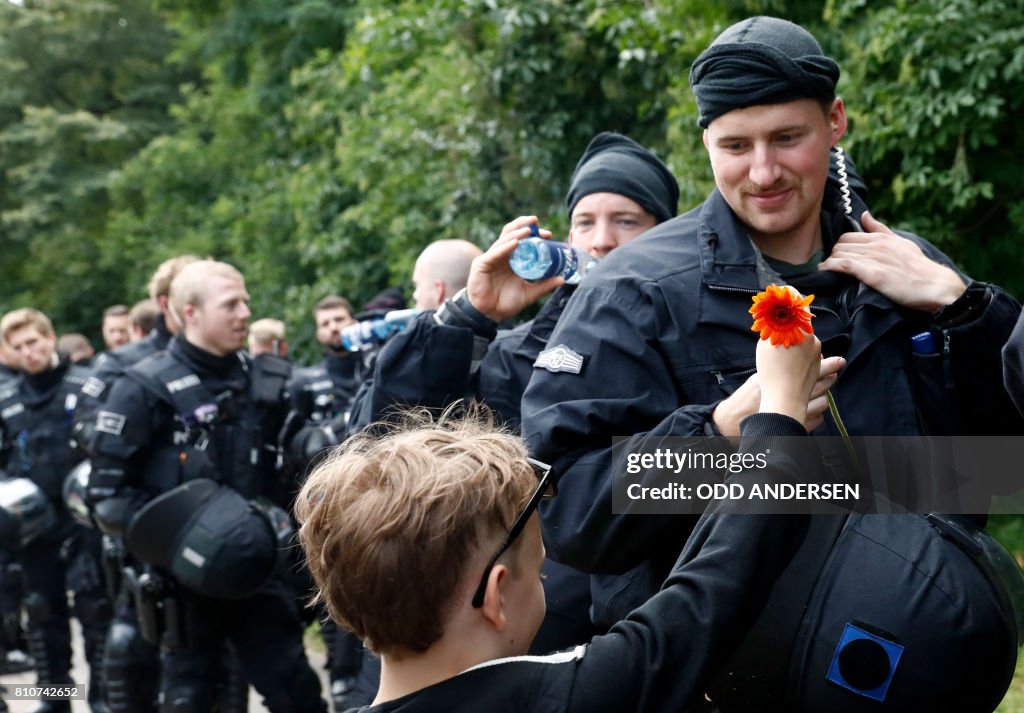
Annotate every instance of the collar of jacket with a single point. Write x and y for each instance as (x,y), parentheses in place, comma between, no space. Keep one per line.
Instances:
(42,386)
(342,367)
(730,264)
(728,259)
(230,366)
(160,335)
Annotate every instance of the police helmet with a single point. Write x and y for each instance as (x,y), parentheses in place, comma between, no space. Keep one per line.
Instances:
(903,614)
(25,512)
(210,538)
(75,486)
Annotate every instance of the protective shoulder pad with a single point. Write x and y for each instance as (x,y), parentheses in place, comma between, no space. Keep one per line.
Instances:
(270,374)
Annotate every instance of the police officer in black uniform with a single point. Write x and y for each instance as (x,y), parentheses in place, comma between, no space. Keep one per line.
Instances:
(131,665)
(12,637)
(619,189)
(321,394)
(110,365)
(323,391)
(36,412)
(662,336)
(200,410)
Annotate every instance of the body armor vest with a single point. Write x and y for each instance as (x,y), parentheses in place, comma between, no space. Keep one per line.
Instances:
(325,391)
(36,430)
(228,437)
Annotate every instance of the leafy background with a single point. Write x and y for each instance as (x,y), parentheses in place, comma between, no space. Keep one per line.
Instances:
(320,144)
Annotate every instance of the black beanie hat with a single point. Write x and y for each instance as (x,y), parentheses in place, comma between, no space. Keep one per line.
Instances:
(614,163)
(761,60)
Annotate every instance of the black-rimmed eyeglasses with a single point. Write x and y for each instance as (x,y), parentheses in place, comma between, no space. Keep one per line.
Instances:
(545,489)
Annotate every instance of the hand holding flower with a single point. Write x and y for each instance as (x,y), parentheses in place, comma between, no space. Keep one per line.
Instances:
(788,376)
(783,317)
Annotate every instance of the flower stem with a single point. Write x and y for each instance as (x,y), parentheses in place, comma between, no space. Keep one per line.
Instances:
(834,410)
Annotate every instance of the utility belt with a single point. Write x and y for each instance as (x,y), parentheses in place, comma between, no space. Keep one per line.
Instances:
(159,606)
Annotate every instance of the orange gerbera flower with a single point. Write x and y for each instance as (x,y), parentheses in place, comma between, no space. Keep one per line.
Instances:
(782,315)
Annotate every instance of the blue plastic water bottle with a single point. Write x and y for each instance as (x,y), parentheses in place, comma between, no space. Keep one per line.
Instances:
(538,259)
(373,332)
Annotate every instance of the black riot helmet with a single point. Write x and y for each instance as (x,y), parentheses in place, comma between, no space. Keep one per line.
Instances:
(210,538)
(25,512)
(831,639)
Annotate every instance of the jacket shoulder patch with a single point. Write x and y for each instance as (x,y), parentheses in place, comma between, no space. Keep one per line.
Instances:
(110,422)
(93,387)
(560,358)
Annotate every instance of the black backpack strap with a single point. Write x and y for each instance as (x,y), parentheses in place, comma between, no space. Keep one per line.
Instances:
(175,384)
(756,677)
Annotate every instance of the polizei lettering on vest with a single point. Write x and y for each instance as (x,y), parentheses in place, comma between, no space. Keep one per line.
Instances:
(185,382)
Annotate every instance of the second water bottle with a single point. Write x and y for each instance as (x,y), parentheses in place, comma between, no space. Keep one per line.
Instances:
(373,332)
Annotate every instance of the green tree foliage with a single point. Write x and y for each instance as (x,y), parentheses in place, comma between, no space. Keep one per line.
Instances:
(85,87)
(220,184)
(448,119)
(934,89)
(320,145)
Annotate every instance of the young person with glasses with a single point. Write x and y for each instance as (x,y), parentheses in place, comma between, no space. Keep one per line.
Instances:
(427,545)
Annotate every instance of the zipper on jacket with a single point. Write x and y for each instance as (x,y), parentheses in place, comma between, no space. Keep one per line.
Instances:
(826,310)
(947,360)
(720,374)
